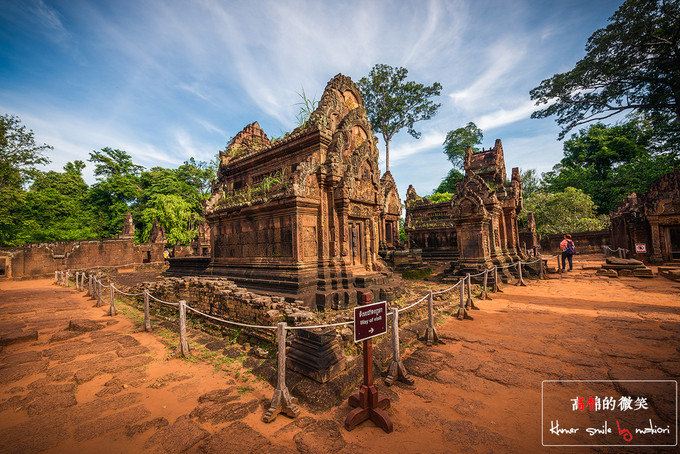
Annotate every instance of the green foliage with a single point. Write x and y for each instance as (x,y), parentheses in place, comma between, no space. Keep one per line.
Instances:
(567,211)
(55,207)
(174,213)
(531,182)
(59,206)
(610,162)
(116,189)
(305,107)
(459,140)
(403,237)
(421,273)
(439,197)
(631,66)
(392,103)
(450,181)
(19,156)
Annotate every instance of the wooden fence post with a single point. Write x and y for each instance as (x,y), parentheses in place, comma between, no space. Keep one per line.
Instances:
(112,301)
(98,289)
(282,401)
(183,343)
(496,282)
(541,269)
(431,332)
(485,285)
(396,371)
(521,278)
(470,302)
(56,277)
(147,319)
(462,310)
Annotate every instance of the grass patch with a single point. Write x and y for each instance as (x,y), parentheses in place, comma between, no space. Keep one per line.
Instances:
(421,273)
(244,389)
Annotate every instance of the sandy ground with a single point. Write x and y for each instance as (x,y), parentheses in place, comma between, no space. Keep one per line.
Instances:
(116,389)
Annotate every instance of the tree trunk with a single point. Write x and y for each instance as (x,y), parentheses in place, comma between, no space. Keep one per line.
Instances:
(387,155)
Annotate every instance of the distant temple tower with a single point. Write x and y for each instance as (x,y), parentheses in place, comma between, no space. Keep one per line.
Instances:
(478,228)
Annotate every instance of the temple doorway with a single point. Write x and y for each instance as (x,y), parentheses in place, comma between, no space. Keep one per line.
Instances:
(356,242)
(674,242)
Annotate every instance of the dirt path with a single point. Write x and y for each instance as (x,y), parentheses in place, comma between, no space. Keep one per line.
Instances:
(115,389)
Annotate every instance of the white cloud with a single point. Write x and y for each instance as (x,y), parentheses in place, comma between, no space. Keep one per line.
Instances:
(503,117)
(428,141)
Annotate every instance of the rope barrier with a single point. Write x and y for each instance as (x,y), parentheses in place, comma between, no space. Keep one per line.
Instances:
(415,304)
(244,325)
(163,302)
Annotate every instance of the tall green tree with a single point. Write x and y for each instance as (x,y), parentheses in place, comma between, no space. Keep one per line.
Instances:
(393,103)
(610,162)
(568,211)
(631,66)
(116,189)
(450,181)
(531,182)
(458,140)
(56,207)
(19,157)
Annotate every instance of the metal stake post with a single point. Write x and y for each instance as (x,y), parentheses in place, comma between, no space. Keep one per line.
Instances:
(431,332)
(183,344)
(397,371)
(282,401)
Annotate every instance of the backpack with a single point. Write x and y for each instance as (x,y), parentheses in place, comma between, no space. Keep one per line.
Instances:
(571,248)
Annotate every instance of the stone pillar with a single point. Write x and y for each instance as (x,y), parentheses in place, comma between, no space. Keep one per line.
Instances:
(656,243)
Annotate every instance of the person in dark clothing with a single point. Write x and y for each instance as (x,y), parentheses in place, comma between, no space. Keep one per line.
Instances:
(568,249)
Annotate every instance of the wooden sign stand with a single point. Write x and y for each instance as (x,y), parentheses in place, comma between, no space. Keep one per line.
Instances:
(367,403)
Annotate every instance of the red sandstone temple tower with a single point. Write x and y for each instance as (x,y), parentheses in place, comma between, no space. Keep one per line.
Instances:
(304,215)
(478,228)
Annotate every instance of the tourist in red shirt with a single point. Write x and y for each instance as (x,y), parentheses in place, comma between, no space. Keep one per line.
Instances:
(568,249)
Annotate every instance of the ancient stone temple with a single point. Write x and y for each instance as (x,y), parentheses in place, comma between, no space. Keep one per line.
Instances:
(390,213)
(650,221)
(304,215)
(478,227)
(529,239)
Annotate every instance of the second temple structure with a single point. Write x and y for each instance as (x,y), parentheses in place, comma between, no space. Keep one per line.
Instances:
(478,228)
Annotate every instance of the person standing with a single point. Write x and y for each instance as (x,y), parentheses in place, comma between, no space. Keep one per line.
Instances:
(568,249)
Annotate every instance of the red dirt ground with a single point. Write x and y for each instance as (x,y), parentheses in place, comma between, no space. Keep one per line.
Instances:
(117,389)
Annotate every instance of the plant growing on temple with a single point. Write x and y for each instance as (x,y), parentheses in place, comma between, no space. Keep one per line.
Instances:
(632,66)
(19,157)
(393,103)
(568,211)
(439,197)
(305,107)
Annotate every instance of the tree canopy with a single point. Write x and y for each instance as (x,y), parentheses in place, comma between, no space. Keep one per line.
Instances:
(610,162)
(566,211)
(42,206)
(458,140)
(393,103)
(631,66)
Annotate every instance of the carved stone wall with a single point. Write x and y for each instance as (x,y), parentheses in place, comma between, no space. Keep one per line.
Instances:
(652,219)
(304,216)
(480,223)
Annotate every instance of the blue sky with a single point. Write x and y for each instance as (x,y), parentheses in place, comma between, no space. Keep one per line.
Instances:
(170,80)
